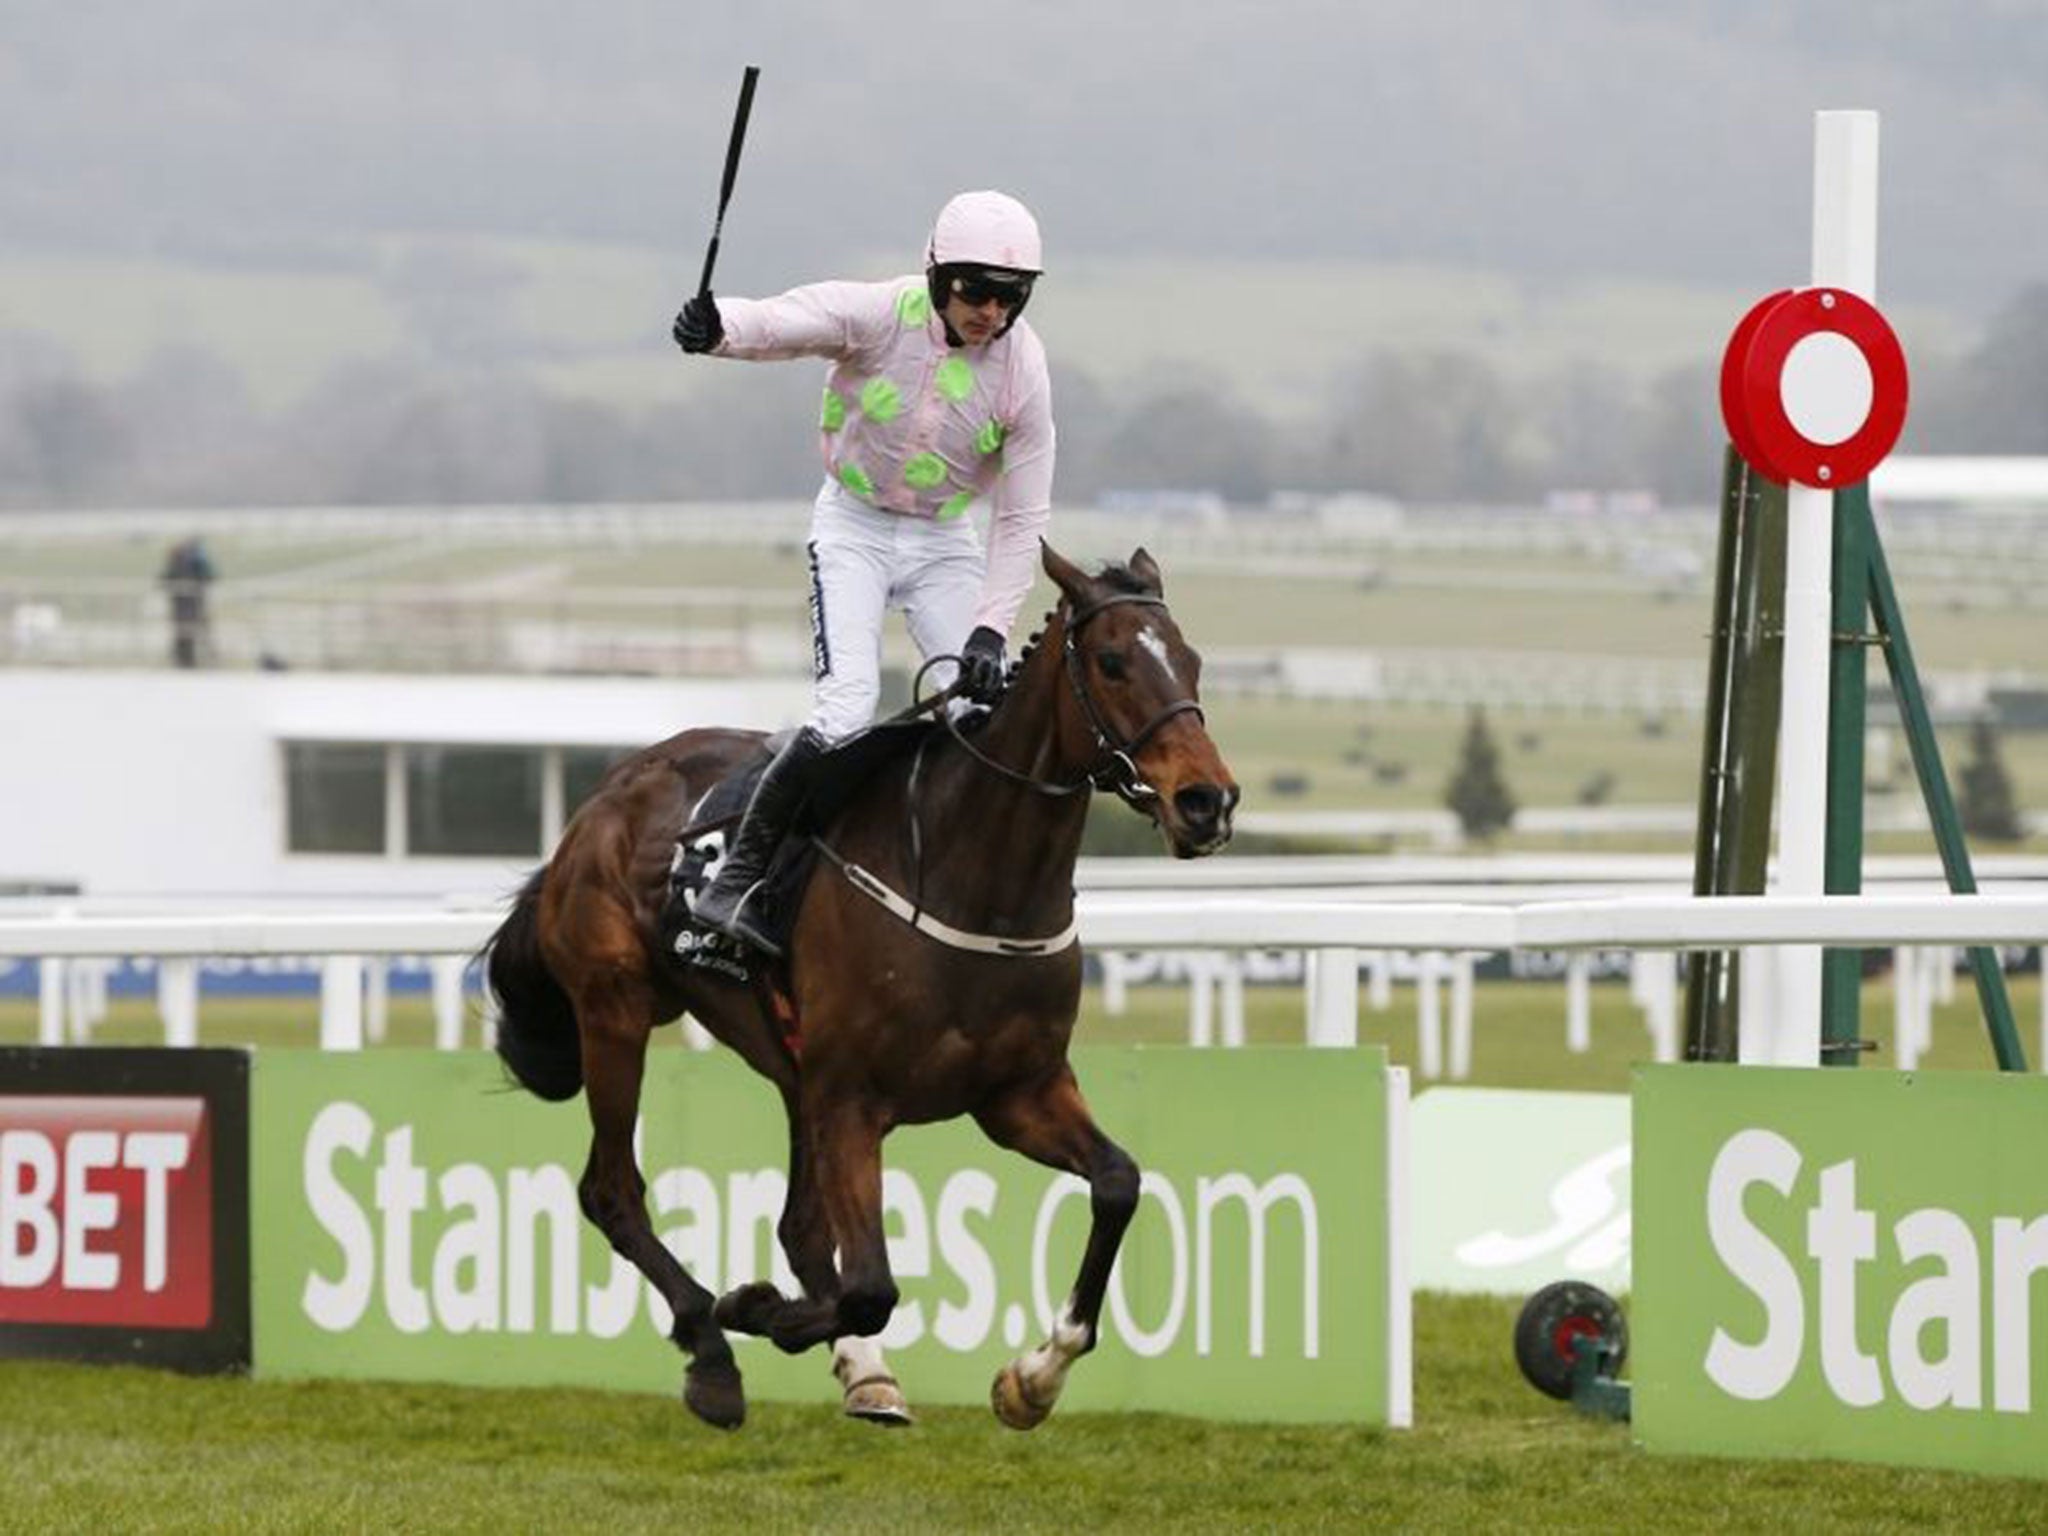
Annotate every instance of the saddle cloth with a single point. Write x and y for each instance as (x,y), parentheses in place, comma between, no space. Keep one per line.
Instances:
(700,847)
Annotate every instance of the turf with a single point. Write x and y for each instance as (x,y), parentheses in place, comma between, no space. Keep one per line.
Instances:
(102,1448)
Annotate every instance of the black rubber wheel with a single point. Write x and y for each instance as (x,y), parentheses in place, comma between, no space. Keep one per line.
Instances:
(1552,1319)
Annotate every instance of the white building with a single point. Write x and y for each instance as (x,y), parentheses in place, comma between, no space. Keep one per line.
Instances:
(156,784)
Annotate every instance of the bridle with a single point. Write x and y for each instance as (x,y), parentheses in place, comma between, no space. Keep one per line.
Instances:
(1115,768)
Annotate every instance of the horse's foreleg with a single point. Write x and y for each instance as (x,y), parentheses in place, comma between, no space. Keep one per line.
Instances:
(613,1196)
(868,1388)
(1050,1124)
(844,1168)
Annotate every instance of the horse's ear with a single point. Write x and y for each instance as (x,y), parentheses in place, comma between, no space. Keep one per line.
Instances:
(1146,569)
(1070,578)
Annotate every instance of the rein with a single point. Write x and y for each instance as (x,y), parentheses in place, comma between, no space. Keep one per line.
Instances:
(1118,773)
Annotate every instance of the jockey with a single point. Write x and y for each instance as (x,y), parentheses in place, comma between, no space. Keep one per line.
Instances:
(938,396)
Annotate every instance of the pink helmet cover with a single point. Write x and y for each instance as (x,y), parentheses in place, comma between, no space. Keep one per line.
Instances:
(990,229)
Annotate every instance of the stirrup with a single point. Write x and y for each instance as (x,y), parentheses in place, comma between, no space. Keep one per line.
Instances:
(738,924)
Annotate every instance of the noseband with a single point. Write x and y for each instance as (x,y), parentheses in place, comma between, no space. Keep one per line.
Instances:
(1117,768)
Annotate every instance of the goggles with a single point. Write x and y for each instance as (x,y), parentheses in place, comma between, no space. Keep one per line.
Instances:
(978,285)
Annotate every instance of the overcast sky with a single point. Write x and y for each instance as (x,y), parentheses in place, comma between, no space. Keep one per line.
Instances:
(1564,140)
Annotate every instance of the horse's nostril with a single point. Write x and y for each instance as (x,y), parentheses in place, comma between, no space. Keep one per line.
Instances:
(1199,804)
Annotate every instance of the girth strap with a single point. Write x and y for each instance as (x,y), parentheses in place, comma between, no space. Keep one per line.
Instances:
(958,938)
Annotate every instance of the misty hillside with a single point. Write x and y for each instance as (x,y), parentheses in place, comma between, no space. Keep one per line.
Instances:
(374,251)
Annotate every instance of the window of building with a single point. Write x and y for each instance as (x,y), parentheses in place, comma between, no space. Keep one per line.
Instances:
(424,800)
(334,797)
(582,768)
(472,800)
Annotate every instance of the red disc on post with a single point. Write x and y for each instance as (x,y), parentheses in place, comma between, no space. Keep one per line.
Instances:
(1761,418)
(1734,404)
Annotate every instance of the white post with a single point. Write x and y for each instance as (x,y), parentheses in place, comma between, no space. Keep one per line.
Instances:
(1578,1002)
(1115,993)
(1333,997)
(51,989)
(1659,999)
(1905,1007)
(1429,1018)
(1758,993)
(445,979)
(376,1000)
(1379,978)
(1934,958)
(488,1014)
(1201,1001)
(1400,1226)
(177,999)
(1231,1002)
(1844,256)
(341,1003)
(86,1002)
(1461,1016)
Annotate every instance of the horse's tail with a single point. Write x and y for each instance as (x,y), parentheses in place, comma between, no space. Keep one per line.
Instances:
(536,1023)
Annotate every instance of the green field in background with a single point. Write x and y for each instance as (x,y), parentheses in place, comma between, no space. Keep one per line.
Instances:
(1292,754)
(1518,1028)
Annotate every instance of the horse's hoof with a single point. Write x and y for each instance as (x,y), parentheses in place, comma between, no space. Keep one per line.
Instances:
(1013,1403)
(713,1392)
(750,1308)
(879,1400)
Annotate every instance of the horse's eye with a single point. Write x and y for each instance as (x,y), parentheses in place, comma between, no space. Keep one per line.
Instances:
(1112,664)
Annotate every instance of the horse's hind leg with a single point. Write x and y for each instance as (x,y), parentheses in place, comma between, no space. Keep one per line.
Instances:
(613,1195)
(1049,1123)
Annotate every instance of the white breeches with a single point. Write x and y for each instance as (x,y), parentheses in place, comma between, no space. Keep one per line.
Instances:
(863,563)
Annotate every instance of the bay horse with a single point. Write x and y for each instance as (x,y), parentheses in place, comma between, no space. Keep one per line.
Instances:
(961,1003)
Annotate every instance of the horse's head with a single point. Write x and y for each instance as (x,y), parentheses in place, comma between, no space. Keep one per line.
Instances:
(1133,712)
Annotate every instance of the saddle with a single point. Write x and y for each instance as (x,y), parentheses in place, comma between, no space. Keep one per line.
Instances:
(700,846)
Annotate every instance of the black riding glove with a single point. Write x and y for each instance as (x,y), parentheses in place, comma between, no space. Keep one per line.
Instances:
(981,666)
(698,328)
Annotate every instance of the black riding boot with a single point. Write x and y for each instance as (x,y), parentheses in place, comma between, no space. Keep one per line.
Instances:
(730,903)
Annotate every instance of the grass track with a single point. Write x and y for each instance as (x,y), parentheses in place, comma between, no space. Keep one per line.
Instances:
(97,1449)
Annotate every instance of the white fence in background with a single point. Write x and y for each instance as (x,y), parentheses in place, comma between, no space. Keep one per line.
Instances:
(1342,939)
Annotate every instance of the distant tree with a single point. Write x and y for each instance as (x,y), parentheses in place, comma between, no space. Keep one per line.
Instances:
(1439,426)
(1997,398)
(1477,793)
(64,443)
(1192,438)
(1985,801)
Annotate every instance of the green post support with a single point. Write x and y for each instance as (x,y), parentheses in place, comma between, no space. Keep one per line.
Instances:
(1739,755)
(1841,982)
(1941,807)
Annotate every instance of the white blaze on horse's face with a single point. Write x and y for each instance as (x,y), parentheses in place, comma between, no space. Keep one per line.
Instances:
(1155,647)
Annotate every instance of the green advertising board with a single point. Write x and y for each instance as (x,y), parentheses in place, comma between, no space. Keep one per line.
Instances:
(416,1219)
(1842,1264)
